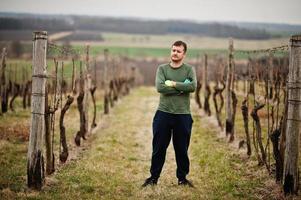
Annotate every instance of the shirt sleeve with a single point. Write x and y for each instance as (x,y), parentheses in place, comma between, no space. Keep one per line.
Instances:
(160,84)
(188,87)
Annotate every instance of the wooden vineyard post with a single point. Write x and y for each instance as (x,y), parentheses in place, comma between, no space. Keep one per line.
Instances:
(80,98)
(15,89)
(64,151)
(229,110)
(271,76)
(48,142)
(48,139)
(3,86)
(92,91)
(105,78)
(35,159)
(50,109)
(87,91)
(199,84)
(115,76)
(293,118)
(133,77)
(207,88)
(112,84)
(245,111)
(205,81)
(24,80)
(233,95)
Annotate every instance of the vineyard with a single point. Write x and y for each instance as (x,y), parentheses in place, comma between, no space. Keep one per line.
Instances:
(76,123)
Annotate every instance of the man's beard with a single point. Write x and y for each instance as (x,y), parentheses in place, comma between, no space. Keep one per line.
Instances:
(176,60)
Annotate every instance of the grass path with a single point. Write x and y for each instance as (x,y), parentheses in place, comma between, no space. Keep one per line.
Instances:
(118,161)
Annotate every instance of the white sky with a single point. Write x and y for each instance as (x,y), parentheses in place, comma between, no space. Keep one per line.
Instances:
(276,11)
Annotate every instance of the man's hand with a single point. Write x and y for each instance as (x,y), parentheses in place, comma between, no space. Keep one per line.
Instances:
(170,83)
(187,81)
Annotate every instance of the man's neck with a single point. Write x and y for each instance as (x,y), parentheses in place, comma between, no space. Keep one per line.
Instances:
(176,64)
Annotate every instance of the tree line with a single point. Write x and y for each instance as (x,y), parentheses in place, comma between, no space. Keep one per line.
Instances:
(126,25)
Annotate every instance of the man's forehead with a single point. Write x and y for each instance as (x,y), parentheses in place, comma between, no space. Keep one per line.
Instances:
(178,47)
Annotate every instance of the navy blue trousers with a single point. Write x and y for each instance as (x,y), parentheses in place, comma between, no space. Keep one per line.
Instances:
(167,126)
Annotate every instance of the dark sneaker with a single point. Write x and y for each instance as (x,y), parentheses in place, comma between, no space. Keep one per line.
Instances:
(185,182)
(150,181)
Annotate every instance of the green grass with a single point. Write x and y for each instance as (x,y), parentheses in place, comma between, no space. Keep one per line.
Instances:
(140,52)
(20,70)
(225,175)
(12,165)
(239,55)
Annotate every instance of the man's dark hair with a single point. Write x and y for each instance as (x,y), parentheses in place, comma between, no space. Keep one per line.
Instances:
(180,43)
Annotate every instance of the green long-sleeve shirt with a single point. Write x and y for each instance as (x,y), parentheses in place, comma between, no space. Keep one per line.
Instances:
(175,100)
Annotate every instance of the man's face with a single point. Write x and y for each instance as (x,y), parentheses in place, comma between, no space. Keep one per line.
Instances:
(177,53)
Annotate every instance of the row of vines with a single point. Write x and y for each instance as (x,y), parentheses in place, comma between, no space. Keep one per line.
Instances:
(62,77)
(265,92)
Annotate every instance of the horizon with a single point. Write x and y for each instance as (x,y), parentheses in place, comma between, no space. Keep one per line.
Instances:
(147,18)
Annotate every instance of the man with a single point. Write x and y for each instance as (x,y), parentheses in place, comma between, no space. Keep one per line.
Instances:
(174,81)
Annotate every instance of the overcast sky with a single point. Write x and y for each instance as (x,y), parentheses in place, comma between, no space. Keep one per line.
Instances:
(276,11)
